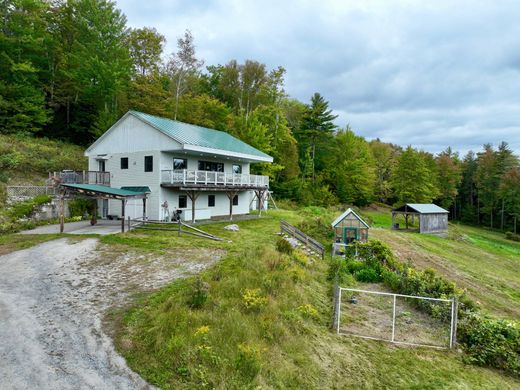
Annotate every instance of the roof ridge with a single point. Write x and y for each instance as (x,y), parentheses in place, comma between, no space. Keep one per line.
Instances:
(184,123)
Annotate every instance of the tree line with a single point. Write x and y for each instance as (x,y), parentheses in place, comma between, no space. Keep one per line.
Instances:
(70,69)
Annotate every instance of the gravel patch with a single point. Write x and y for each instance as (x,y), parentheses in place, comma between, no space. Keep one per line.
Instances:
(53,298)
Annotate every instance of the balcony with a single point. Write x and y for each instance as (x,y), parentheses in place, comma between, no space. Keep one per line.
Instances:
(201,179)
(79,177)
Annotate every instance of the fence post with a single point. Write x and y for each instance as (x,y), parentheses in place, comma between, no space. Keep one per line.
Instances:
(129,223)
(454,315)
(337,306)
(393,319)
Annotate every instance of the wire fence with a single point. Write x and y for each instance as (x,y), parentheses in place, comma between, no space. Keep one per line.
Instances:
(21,193)
(397,318)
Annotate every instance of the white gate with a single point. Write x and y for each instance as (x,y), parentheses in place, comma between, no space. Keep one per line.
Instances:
(396,318)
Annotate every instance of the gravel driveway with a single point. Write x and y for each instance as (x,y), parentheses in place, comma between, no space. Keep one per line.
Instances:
(52,302)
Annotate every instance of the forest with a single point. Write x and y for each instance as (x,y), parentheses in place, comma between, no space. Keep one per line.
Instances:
(70,69)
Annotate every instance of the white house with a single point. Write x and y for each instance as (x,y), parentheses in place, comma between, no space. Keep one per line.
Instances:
(203,172)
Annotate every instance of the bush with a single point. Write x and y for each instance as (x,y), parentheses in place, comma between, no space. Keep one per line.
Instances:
(367,275)
(199,294)
(308,310)
(249,359)
(252,299)
(299,257)
(25,209)
(490,342)
(80,207)
(284,246)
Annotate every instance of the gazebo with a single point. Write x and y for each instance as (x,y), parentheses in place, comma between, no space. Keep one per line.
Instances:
(432,218)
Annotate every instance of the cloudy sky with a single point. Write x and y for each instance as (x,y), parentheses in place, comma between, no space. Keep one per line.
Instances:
(426,73)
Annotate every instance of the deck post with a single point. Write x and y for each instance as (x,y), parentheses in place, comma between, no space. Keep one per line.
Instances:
(193,197)
(62,212)
(93,219)
(123,201)
(231,195)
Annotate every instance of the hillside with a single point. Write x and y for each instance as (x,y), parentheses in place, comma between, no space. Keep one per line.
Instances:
(479,260)
(261,319)
(27,160)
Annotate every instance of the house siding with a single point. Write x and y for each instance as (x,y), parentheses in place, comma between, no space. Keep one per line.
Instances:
(133,176)
(132,135)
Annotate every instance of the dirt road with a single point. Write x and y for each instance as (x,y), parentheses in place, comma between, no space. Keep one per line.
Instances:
(52,302)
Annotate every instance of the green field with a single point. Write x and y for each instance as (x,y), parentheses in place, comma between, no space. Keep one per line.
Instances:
(266,320)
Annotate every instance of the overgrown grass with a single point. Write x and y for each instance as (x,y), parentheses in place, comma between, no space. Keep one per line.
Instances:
(23,157)
(265,324)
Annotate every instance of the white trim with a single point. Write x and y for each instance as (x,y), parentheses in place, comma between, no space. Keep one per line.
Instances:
(342,216)
(227,153)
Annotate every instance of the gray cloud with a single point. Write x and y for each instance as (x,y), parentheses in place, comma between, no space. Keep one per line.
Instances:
(431,74)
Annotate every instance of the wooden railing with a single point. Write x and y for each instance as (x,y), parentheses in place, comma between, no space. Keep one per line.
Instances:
(184,176)
(79,177)
(306,240)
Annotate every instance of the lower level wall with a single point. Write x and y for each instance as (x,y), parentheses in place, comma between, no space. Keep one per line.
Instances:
(170,198)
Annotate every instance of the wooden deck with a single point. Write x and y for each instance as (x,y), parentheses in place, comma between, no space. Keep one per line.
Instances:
(214,181)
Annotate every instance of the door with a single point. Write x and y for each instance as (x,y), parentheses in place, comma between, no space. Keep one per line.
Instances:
(350,234)
(101,165)
(104,213)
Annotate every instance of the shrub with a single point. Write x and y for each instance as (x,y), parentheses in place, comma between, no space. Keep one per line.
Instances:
(80,207)
(199,294)
(308,310)
(284,246)
(252,299)
(512,236)
(354,265)
(296,273)
(367,275)
(490,342)
(249,359)
(299,257)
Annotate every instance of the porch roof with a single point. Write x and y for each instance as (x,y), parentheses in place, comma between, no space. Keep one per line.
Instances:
(96,190)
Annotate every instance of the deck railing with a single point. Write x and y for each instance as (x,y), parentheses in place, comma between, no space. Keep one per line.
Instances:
(79,177)
(184,177)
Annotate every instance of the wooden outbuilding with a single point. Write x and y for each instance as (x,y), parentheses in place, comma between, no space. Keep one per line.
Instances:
(349,228)
(432,218)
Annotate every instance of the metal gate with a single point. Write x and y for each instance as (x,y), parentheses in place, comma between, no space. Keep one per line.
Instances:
(397,318)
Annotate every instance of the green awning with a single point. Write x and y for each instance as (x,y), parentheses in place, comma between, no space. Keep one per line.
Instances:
(105,191)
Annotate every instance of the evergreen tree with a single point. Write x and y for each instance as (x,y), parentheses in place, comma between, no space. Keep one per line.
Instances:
(316,128)
(488,182)
(467,189)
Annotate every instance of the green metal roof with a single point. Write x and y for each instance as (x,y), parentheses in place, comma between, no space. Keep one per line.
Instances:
(199,136)
(423,208)
(142,189)
(125,193)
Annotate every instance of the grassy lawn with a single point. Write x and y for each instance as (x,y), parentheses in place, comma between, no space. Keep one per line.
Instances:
(13,242)
(479,260)
(264,323)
